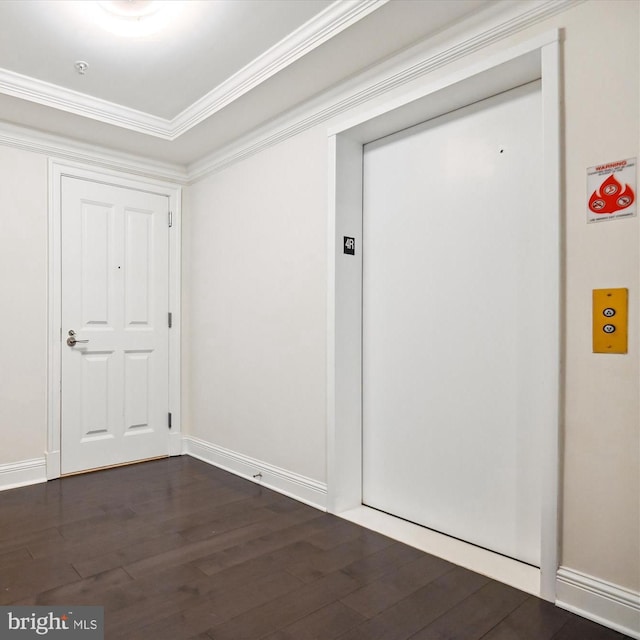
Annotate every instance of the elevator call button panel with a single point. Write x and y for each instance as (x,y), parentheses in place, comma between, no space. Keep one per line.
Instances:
(610,320)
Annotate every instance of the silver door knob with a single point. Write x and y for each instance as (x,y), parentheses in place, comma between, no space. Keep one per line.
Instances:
(72,340)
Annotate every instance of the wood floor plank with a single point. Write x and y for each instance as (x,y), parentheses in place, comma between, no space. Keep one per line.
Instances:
(38,517)
(198,589)
(188,552)
(221,605)
(126,532)
(476,615)
(231,516)
(394,586)
(19,581)
(138,602)
(581,629)
(303,516)
(89,591)
(327,623)
(534,619)
(29,538)
(111,520)
(181,550)
(283,611)
(276,539)
(188,500)
(322,562)
(339,532)
(16,556)
(422,607)
(148,549)
(94,544)
(388,559)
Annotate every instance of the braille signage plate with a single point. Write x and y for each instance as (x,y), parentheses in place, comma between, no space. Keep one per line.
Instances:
(350,246)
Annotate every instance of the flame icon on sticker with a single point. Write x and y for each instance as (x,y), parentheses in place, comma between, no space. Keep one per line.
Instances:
(611,196)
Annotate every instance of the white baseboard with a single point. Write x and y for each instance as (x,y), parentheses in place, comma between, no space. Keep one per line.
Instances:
(603,602)
(290,484)
(20,474)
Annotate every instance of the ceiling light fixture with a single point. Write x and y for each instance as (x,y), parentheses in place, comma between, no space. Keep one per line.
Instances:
(135,18)
(135,9)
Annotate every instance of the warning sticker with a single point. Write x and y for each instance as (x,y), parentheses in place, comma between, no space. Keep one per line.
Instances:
(611,191)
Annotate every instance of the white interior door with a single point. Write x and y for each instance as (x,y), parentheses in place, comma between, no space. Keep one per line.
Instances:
(455,360)
(115,379)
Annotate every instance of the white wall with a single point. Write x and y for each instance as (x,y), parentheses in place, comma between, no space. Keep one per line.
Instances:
(23,291)
(601,524)
(255,338)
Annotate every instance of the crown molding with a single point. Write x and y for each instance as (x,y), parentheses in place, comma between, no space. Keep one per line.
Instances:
(322,27)
(327,24)
(413,64)
(65,149)
(410,66)
(81,104)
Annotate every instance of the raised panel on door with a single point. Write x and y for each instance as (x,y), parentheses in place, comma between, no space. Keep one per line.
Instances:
(139,268)
(96,398)
(137,375)
(454,361)
(96,247)
(115,267)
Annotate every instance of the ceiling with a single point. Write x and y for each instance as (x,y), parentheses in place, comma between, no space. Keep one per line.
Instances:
(191,76)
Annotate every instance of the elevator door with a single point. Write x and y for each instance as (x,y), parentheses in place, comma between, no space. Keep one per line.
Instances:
(455,359)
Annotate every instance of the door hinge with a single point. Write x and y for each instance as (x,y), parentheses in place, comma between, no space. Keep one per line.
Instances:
(171,218)
(169,319)
(169,420)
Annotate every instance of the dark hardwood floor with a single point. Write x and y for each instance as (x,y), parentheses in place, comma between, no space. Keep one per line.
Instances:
(178,549)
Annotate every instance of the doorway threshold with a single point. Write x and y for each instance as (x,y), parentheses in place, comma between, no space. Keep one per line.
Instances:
(493,565)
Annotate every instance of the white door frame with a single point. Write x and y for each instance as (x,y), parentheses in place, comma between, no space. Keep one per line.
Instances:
(536,59)
(57,170)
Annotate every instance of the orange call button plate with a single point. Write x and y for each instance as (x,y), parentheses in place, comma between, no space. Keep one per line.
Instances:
(610,320)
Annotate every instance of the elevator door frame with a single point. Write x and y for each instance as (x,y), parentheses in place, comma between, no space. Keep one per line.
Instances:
(411,104)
